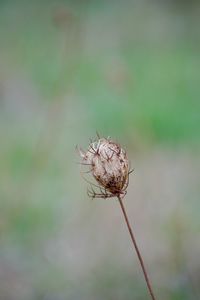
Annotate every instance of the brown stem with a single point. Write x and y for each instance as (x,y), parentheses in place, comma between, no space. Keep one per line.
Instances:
(137,250)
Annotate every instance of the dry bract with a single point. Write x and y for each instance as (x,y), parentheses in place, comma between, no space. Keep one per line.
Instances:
(109,166)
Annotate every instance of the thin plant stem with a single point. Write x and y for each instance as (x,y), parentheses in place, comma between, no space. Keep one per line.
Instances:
(137,250)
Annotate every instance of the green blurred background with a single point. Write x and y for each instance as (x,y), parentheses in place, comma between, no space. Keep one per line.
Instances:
(130,70)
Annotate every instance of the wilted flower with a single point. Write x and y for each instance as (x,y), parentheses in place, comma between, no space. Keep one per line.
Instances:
(109,166)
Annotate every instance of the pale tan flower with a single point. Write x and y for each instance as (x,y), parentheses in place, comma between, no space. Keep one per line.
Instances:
(109,166)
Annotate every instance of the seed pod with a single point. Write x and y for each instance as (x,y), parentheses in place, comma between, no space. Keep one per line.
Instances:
(109,166)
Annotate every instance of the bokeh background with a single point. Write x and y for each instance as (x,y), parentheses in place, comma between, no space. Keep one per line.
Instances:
(130,70)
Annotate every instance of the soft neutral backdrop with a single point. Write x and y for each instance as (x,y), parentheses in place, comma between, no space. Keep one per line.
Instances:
(130,70)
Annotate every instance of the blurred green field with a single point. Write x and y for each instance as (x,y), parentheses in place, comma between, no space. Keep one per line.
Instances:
(123,75)
(127,69)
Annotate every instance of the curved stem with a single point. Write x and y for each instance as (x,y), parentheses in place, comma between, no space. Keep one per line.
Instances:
(137,250)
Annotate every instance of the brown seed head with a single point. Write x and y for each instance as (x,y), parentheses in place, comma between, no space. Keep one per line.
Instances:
(109,166)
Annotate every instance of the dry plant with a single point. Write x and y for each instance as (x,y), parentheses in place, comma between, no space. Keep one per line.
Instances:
(110,167)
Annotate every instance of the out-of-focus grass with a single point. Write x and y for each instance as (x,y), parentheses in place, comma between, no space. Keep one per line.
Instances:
(137,85)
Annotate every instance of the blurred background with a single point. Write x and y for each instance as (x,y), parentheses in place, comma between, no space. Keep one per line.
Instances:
(130,70)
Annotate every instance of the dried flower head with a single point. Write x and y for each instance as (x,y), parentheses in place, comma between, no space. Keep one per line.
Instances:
(109,166)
